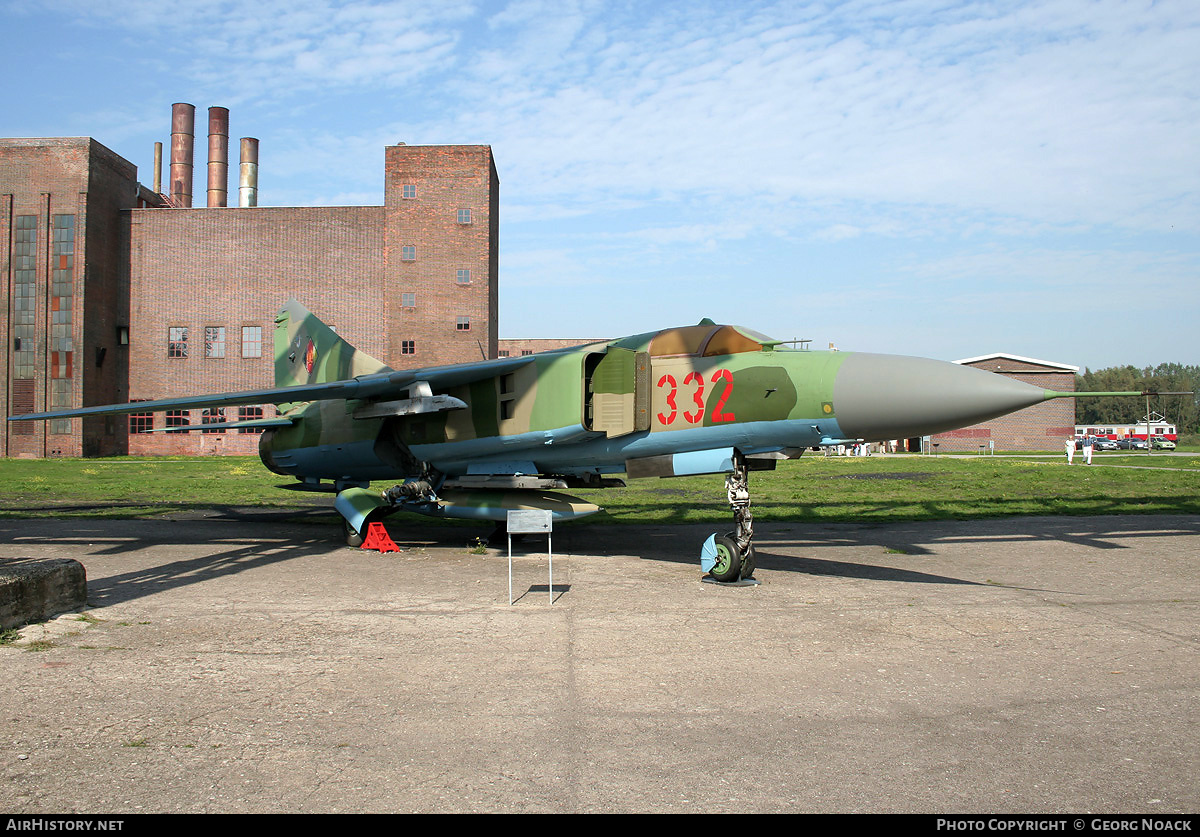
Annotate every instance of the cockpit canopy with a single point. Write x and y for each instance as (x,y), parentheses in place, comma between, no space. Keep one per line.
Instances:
(706,340)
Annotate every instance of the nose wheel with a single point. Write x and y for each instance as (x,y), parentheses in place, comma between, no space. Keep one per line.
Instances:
(729,558)
(730,563)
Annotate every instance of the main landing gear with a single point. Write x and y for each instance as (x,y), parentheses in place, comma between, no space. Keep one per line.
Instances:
(729,558)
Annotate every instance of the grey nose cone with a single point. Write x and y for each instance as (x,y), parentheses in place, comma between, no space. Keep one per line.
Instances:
(894,397)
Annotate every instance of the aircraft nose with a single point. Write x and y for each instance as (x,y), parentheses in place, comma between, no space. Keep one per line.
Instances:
(894,397)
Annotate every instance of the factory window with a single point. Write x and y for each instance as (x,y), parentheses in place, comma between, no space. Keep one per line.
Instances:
(141,422)
(408,347)
(502,353)
(24,250)
(464,216)
(526,352)
(178,418)
(463,276)
(214,341)
(408,300)
(60,367)
(463,324)
(250,414)
(60,399)
(62,348)
(177,341)
(213,415)
(408,190)
(251,341)
(408,253)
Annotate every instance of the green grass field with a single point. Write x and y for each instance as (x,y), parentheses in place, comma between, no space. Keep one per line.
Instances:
(814,488)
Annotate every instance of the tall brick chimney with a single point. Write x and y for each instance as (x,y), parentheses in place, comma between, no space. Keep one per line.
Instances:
(218,156)
(183,127)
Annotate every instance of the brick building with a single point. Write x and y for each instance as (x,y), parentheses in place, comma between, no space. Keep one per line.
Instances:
(113,292)
(516,346)
(61,237)
(1040,427)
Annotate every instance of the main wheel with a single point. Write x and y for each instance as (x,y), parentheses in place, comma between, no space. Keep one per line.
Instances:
(353,538)
(729,560)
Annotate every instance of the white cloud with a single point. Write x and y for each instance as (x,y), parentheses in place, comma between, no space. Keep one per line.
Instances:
(792,150)
(990,114)
(839,232)
(277,48)
(1052,112)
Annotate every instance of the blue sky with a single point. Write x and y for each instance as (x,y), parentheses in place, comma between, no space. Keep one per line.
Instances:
(919,177)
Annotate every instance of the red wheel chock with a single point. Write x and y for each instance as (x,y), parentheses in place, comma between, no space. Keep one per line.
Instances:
(378,539)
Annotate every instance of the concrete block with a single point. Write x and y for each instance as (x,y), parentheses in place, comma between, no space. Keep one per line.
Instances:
(35,589)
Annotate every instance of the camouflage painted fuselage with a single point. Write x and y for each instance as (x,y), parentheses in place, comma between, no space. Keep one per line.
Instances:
(668,402)
(479,439)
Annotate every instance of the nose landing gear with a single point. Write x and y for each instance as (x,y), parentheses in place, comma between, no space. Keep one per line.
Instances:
(729,558)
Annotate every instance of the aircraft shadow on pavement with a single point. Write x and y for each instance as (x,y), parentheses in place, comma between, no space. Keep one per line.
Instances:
(804,542)
(845,569)
(233,540)
(237,547)
(248,538)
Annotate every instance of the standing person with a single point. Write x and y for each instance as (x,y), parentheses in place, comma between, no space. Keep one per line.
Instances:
(1070,450)
(1087,449)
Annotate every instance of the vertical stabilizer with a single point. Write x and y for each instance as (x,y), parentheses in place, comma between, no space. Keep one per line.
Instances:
(309,352)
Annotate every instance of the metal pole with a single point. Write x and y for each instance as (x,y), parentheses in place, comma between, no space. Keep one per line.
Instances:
(1149,444)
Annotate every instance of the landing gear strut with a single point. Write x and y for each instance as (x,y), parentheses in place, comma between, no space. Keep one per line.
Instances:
(732,554)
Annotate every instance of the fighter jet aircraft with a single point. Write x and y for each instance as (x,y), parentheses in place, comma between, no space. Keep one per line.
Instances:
(476,440)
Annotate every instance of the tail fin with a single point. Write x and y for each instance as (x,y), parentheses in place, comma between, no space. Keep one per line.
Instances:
(309,352)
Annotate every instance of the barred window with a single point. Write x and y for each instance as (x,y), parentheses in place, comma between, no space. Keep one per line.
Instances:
(251,341)
(178,418)
(214,341)
(177,341)
(141,422)
(213,415)
(250,414)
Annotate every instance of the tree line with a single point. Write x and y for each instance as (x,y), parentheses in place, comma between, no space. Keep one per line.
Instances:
(1181,410)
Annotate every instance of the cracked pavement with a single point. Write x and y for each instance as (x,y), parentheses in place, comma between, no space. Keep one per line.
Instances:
(251,664)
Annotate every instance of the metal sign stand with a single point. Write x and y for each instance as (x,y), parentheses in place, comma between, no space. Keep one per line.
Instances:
(530,522)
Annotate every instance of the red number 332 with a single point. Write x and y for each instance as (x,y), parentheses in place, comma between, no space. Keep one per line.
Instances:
(695,416)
